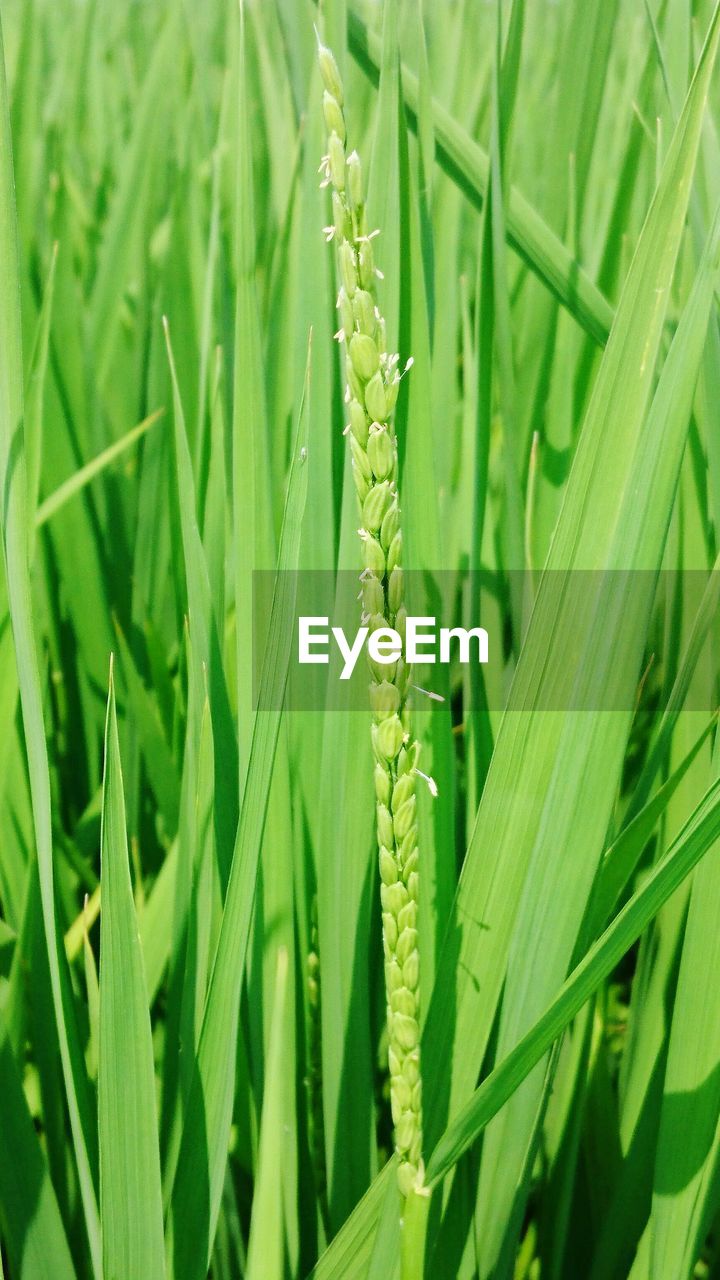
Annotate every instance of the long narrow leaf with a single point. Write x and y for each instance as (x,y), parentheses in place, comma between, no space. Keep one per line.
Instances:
(130,1196)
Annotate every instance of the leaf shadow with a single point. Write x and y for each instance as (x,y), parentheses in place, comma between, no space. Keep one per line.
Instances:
(687,1133)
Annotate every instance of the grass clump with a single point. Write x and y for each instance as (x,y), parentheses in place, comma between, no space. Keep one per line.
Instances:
(217,1057)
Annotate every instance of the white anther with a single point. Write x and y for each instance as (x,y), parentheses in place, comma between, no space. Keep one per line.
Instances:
(431,783)
(429,693)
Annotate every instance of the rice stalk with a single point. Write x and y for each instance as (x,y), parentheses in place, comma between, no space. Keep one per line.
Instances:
(373,380)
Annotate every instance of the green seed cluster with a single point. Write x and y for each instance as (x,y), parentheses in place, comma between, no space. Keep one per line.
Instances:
(373,380)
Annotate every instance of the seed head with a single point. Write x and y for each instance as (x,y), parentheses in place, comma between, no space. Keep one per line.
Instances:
(376,399)
(395,589)
(384,824)
(340,217)
(394,898)
(403,789)
(348,268)
(364,356)
(391,394)
(374,556)
(346,313)
(390,525)
(355,385)
(364,313)
(376,504)
(359,423)
(376,622)
(407,917)
(336,153)
(384,700)
(373,597)
(406,943)
(362,484)
(402,676)
(334,120)
(408,1177)
(367,264)
(360,458)
(407,1034)
(402,1093)
(330,73)
(411,970)
(394,554)
(389,875)
(382,786)
(390,931)
(355,180)
(390,737)
(404,818)
(373,380)
(407,848)
(404,1002)
(380,451)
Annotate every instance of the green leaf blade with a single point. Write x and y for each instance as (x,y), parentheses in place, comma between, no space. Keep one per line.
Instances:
(130,1189)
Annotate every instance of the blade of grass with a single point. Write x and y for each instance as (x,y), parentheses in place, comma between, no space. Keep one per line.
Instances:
(466,162)
(32,1227)
(350,1253)
(491,890)
(623,855)
(252,507)
(205,639)
(701,627)
(636,535)
(16,543)
(699,833)
(125,222)
(82,477)
(685,1193)
(198,1180)
(266,1243)
(130,1197)
(424,553)
(160,764)
(34,399)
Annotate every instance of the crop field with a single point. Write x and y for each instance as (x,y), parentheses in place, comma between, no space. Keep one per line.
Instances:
(364,314)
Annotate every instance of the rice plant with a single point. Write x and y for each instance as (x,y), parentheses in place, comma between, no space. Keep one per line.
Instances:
(414,974)
(372,390)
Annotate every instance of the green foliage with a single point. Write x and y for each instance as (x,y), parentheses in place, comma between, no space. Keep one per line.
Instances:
(193,1033)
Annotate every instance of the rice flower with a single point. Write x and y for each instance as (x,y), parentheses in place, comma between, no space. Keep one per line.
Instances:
(373,379)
